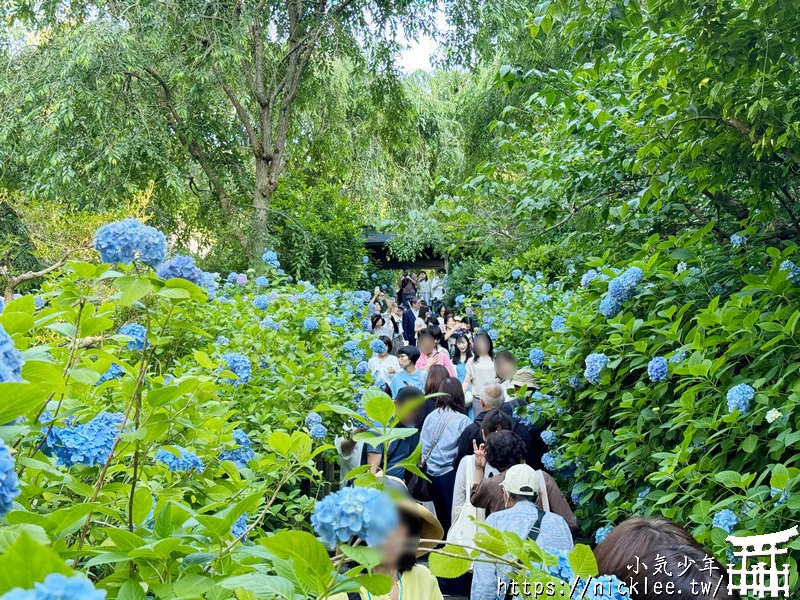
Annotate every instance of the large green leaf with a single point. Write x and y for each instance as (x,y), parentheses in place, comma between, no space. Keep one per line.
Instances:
(262,586)
(312,564)
(27,562)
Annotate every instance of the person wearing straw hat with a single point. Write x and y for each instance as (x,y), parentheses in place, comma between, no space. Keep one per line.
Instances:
(402,547)
(522,517)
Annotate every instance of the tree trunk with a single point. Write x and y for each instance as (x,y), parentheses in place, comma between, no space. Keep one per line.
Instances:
(262,196)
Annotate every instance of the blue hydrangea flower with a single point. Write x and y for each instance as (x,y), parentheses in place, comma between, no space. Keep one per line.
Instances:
(84,444)
(138,333)
(11,360)
(261,302)
(374,276)
(209,282)
(58,587)
(603,587)
(222,341)
(739,397)
(129,240)
(726,520)
(318,431)
(516,273)
(270,257)
(239,526)
(241,438)
(310,324)
(9,483)
(238,456)
(460,299)
(378,347)
(588,277)
(643,494)
(270,323)
(241,278)
(562,570)
(509,294)
(239,365)
(536,356)
(262,281)
(576,497)
(544,298)
(794,270)
(231,278)
(494,334)
(549,437)
(182,267)
(558,323)
(312,419)
(575,382)
(113,372)
(781,495)
(678,357)
(594,365)
(549,461)
(602,533)
(365,259)
(609,306)
(38,302)
(486,288)
(657,369)
(187,461)
(362,368)
(366,513)
(737,240)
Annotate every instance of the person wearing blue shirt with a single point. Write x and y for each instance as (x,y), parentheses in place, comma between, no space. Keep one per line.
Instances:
(407,356)
(398,450)
(440,434)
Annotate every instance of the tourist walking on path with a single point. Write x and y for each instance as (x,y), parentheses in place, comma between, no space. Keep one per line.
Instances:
(437,289)
(440,434)
(409,374)
(522,517)
(408,289)
(431,354)
(383,365)
(424,286)
(409,320)
(480,369)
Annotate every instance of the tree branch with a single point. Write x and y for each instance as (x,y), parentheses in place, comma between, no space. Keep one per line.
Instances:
(15,281)
(241,113)
(175,121)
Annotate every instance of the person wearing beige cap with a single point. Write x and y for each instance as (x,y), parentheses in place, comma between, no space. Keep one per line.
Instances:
(522,517)
(402,547)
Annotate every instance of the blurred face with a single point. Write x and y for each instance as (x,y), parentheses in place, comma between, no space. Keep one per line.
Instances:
(416,305)
(426,345)
(504,368)
(398,310)
(393,546)
(377,307)
(379,323)
(442,311)
(403,360)
(462,345)
(465,324)
(481,347)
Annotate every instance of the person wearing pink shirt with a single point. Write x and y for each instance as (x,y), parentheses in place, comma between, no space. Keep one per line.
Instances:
(431,355)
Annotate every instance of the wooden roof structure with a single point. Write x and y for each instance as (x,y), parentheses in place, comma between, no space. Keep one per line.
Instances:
(377,245)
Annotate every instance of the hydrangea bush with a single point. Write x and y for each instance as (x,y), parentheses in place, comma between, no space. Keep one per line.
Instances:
(681,400)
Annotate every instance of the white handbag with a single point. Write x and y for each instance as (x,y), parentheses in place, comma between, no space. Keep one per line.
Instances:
(463,529)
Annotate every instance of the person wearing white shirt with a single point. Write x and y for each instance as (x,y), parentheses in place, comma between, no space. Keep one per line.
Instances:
(384,365)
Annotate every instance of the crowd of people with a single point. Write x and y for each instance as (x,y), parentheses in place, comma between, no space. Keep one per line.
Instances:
(483,463)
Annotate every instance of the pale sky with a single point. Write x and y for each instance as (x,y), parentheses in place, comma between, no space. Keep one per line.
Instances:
(417,56)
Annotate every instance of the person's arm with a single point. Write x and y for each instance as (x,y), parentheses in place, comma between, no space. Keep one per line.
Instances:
(464,446)
(375,461)
(468,377)
(459,490)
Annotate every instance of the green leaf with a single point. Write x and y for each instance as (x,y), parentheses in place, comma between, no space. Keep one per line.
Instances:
(280,442)
(262,586)
(20,399)
(779,478)
(582,561)
(378,406)
(312,564)
(133,289)
(450,567)
(131,590)
(10,533)
(27,562)
(363,555)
